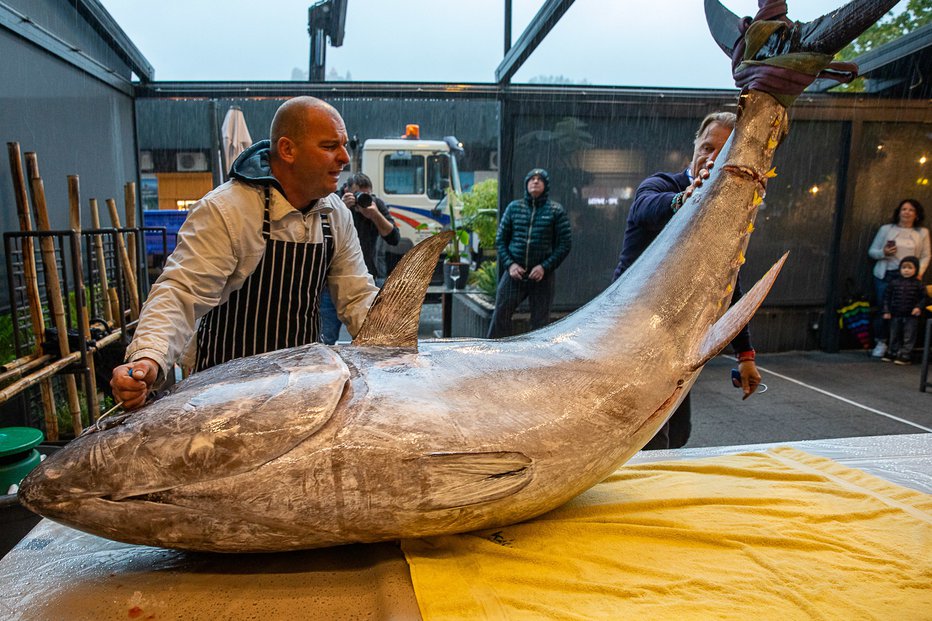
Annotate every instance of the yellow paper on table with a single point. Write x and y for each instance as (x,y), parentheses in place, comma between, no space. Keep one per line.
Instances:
(777,535)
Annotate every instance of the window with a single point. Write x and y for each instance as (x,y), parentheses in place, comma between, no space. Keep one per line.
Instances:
(404,173)
(438,176)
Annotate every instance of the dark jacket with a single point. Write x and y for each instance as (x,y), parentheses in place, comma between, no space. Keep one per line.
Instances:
(534,231)
(368,234)
(649,213)
(902,296)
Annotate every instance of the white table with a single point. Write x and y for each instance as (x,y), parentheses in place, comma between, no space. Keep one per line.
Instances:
(58,573)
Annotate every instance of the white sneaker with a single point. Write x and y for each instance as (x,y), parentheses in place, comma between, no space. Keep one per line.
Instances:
(879,350)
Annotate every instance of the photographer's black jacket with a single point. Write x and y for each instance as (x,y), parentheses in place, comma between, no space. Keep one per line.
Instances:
(369,234)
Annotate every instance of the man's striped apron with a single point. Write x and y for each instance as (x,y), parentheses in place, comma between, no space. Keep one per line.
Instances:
(277,306)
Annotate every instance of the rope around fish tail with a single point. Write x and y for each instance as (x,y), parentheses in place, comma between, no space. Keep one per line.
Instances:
(787,75)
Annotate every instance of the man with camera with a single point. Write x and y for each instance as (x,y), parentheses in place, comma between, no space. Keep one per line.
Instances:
(372,221)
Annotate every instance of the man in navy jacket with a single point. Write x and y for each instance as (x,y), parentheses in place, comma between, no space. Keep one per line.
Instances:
(656,201)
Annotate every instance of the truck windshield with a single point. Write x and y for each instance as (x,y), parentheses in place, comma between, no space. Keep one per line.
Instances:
(407,173)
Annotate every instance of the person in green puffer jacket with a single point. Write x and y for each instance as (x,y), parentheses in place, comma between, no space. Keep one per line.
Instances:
(533,238)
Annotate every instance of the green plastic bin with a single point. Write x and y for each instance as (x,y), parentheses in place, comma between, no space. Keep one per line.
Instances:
(18,454)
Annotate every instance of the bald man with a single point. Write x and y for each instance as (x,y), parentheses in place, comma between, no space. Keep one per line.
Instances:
(253,256)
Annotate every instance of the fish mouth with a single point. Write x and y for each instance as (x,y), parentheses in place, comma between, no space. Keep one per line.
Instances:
(150,519)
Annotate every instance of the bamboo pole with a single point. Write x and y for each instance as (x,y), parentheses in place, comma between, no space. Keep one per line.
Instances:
(129,207)
(30,277)
(113,337)
(22,366)
(84,324)
(47,371)
(101,263)
(114,300)
(127,269)
(44,374)
(54,284)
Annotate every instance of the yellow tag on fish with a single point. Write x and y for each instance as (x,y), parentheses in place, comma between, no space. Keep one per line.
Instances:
(750,227)
(757,199)
(771,173)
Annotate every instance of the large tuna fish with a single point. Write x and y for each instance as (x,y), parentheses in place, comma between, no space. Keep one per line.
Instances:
(387,438)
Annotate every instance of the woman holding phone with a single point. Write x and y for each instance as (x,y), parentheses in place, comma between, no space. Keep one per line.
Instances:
(902,237)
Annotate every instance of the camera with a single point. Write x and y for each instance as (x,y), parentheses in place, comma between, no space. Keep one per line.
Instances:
(363,199)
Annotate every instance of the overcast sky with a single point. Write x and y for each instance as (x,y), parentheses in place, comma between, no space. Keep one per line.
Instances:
(659,43)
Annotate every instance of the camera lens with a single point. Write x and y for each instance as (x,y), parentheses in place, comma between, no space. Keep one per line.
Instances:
(363,199)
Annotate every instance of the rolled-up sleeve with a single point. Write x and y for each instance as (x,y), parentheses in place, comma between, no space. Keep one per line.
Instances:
(190,285)
(351,285)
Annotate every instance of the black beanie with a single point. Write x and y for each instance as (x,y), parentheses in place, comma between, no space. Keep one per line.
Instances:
(913,260)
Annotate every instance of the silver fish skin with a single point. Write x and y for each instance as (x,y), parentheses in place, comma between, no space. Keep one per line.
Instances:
(318,446)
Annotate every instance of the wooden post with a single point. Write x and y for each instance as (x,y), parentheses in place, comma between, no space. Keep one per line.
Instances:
(129,205)
(54,284)
(101,264)
(127,269)
(32,286)
(84,325)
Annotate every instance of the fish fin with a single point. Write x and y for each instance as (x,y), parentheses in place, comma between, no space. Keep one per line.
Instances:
(221,422)
(393,318)
(724,25)
(731,323)
(459,479)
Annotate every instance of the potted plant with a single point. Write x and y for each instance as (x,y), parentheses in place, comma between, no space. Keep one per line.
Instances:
(480,215)
(456,265)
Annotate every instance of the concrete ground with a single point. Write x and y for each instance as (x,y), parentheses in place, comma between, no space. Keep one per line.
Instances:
(810,396)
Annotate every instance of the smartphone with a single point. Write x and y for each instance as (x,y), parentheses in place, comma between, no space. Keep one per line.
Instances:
(736,382)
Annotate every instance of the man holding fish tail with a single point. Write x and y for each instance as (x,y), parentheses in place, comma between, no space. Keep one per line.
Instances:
(253,256)
(656,201)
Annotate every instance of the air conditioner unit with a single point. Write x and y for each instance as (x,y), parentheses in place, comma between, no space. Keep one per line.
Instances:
(146,162)
(190,161)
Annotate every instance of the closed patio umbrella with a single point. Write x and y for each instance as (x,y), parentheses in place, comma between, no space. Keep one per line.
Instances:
(235,137)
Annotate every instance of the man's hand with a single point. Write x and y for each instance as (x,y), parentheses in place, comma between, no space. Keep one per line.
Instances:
(537,274)
(887,316)
(750,377)
(370,213)
(917,311)
(516,271)
(131,382)
(697,182)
